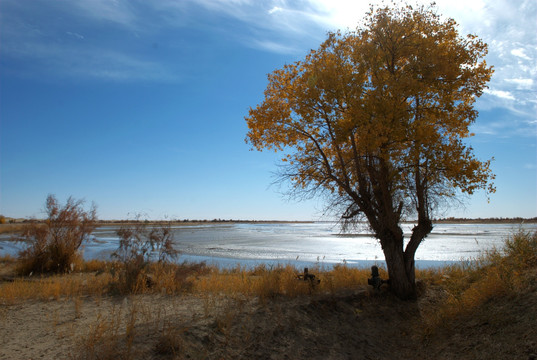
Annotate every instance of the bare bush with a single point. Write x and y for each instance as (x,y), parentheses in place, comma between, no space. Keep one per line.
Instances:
(53,246)
(139,245)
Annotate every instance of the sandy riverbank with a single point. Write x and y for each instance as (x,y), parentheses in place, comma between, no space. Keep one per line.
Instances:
(348,325)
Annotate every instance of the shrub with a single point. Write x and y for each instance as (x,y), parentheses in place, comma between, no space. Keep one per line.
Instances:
(139,244)
(53,245)
(521,248)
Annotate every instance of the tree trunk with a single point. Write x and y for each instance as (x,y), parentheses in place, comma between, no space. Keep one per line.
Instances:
(401,276)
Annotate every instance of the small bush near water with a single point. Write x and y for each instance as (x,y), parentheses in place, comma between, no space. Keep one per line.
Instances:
(53,245)
(139,244)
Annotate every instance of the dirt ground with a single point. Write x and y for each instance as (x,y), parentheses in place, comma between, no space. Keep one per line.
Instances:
(354,324)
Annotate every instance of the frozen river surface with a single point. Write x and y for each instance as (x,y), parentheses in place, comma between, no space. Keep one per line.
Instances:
(306,243)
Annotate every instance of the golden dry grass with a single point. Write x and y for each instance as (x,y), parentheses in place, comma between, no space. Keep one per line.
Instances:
(97,278)
(13,228)
(469,285)
(54,287)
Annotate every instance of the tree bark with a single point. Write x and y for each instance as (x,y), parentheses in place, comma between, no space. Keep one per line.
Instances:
(401,276)
(419,232)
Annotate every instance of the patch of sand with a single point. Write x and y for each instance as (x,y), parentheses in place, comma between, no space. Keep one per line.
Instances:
(348,325)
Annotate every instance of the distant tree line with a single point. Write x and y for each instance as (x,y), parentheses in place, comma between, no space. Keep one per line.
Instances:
(8,220)
(487,220)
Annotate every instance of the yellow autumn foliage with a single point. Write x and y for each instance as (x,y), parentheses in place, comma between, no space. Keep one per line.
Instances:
(377,118)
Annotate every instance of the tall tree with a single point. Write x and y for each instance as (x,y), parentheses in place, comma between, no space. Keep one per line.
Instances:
(376,118)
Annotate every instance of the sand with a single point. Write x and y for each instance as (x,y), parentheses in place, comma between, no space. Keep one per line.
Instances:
(353,324)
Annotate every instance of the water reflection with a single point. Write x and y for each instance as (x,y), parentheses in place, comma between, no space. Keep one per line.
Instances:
(304,243)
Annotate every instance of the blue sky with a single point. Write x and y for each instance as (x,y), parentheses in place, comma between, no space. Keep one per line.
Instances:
(139,106)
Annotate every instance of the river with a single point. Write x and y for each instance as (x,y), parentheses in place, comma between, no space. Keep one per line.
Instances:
(305,244)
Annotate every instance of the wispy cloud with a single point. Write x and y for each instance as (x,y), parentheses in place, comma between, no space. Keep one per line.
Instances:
(278,26)
(90,62)
(522,84)
(273,46)
(117,66)
(63,49)
(509,29)
(75,35)
(116,11)
(500,94)
(506,127)
(275,9)
(521,53)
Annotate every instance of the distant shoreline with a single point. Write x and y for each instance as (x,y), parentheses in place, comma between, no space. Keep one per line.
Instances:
(20,224)
(486,221)
(219,221)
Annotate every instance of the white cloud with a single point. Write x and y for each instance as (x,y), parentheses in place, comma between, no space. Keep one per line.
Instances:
(274,47)
(113,65)
(75,35)
(339,14)
(521,53)
(90,62)
(59,48)
(500,93)
(293,27)
(508,27)
(116,11)
(506,126)
(275,9)
(521,84)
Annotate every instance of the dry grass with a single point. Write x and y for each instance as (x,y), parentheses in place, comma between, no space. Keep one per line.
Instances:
(96,265)
(98,278)
(54,287)
(342,277)
(128,327)
(103,340)
(471,284)
(170,341)
(266,282)
(12,228)
(7,264)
